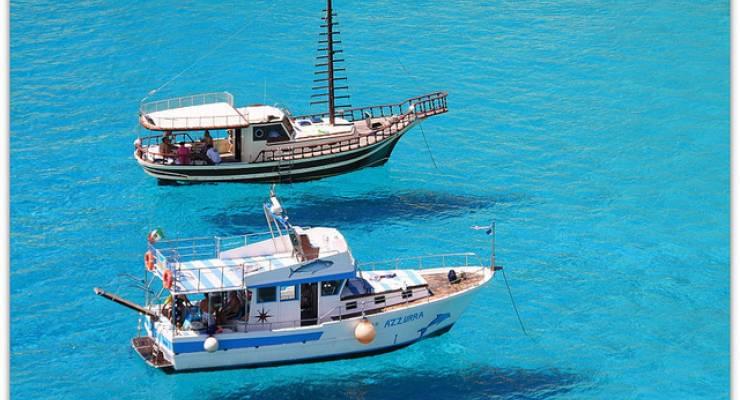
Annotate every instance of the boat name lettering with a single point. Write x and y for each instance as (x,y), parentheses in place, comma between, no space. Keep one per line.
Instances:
(404,319)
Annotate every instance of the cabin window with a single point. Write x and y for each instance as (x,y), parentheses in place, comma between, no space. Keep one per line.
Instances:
(266,294)
(379,299)
(288,293)
(407,293)
(351,305)
(330,288)
(271,133)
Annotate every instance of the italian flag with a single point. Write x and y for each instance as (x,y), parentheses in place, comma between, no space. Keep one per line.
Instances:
(155,235)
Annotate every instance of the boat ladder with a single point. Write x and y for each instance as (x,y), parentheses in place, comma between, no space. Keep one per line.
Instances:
(284,169)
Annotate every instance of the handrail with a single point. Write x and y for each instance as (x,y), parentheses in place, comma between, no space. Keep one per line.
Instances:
(422,106)
(396,262)
(439,99)
(329,316)
(186,101)
(171,250)
(191,122)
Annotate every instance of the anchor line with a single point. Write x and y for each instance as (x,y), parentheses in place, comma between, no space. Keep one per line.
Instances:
(421,127)
(199,59)
(513,304)
(428,148)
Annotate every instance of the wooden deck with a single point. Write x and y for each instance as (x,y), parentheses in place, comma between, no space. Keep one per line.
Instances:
(440,287)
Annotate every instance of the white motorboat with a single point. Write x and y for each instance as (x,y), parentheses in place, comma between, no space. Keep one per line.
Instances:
(293,294)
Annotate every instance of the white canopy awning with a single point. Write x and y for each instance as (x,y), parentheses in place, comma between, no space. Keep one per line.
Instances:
(206,116)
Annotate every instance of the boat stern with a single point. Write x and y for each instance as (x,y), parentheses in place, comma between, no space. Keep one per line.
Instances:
(149,351)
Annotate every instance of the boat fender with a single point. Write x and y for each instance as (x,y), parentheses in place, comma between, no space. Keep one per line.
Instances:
(211,344)
(149,260)
(167,279)
(365,331)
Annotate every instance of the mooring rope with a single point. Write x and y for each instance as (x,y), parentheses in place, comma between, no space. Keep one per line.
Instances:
(513,304)
(421,127)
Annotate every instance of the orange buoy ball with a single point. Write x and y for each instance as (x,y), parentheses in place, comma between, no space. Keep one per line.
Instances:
(365,331)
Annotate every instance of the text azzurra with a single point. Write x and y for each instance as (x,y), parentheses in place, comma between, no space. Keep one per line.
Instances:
(404,319)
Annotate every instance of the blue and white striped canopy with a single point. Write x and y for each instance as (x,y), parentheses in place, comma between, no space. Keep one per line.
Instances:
(384,281)
(201,276)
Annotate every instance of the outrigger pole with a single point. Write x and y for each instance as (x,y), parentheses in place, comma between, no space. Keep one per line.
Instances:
(120,300)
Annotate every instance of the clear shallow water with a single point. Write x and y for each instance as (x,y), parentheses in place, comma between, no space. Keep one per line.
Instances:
(597,135)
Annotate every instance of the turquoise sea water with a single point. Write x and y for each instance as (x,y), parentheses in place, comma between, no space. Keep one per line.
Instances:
(596,134)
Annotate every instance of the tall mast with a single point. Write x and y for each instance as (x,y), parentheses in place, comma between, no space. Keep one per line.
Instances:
(327,50)
(330,62)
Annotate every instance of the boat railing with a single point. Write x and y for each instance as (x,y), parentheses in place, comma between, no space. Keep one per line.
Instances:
(424,262)
(428,104)
(339,312)
(186,101)
(337,146)
(175,251)
(146,142)
(237,118)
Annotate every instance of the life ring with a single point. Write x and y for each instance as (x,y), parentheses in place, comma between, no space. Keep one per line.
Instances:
(149,260)
(167,279)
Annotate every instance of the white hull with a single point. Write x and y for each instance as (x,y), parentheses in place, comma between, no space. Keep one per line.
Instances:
(335,339)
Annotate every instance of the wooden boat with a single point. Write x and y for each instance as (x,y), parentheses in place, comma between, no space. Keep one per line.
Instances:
(293,294)
(261,143)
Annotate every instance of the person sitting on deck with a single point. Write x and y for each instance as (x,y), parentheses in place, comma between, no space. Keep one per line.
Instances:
(208,317)
(213,155)
(207,139)
(165,148)
(234,308)
(183,155)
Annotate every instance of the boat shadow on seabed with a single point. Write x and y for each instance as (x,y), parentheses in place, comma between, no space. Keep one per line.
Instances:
(478,382)
(377,208)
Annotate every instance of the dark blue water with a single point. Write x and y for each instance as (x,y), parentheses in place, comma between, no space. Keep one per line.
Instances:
(596,134)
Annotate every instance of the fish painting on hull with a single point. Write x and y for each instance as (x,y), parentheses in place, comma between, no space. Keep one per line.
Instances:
(312,267)
(436,321)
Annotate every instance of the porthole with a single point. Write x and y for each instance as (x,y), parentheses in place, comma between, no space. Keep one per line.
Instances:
(259,134)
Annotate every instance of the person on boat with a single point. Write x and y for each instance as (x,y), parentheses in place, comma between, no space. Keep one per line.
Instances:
(207,139)
(166,149)
(234,307)
(183,155)
(168,135)
(139,148)
(213,155)
(231,141)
